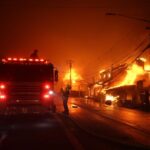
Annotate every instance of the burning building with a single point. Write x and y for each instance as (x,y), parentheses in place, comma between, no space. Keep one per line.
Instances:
(78,86)
(132,87)
(125,85)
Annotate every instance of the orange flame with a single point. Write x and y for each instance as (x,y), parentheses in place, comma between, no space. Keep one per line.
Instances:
(132,75)
(147,67)
(74,76)
(111,97)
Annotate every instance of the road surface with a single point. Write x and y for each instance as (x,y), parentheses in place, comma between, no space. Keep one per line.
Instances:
(83,129)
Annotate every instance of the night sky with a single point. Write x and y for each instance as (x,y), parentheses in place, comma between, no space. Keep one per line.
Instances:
(73,29)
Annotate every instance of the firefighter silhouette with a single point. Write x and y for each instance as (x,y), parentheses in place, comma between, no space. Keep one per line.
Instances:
(34,54)
(65,95)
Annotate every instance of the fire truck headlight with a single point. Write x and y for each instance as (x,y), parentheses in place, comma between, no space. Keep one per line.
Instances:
(51,92)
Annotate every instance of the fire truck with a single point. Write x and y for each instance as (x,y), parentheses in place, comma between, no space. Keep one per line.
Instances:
(27,85)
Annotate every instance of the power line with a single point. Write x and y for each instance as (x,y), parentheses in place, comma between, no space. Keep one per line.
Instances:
(116,43)
(124,58)
(135,53)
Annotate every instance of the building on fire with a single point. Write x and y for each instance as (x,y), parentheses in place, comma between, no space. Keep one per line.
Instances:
(124,85)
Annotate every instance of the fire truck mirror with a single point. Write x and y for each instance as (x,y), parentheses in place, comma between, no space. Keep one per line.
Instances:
(56,75)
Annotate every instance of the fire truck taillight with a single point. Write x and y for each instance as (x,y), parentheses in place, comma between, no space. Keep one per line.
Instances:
(2,86)
(46,89)
(2,97)
(46,96)
(47,86)
(2,92)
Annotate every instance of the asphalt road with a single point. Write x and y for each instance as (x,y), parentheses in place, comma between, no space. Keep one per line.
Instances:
(49,132)
(133,117)
(32,132)
(120,125)
(82,129)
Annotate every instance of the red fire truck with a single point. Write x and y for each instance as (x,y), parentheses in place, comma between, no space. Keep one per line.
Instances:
(26,85)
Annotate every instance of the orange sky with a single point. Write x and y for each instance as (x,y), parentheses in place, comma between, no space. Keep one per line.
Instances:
(75,29)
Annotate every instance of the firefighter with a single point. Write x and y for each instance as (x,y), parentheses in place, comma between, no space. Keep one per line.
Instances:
(34,54)
(65,95)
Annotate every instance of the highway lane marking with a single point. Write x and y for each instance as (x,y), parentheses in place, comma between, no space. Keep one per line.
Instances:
(73,140)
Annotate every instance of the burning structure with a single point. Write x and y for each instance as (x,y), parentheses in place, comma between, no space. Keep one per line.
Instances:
(78,86)
(131,88)
(126,84)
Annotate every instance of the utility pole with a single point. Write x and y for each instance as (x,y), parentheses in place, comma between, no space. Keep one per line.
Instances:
(69,62)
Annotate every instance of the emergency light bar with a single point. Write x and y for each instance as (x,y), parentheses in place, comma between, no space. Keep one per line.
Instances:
(24,60)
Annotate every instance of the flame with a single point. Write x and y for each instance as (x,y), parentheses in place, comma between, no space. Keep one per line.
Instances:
(74,76)
(135,73)
(132,75)
(143,59)
(111,97)
(147,67)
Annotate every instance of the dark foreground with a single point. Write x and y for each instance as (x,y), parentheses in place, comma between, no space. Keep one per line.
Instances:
(82,129)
